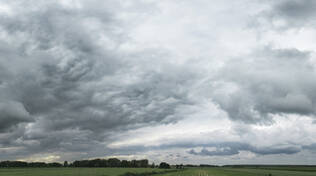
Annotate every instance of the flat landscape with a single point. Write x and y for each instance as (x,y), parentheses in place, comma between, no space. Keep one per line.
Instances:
(284,171)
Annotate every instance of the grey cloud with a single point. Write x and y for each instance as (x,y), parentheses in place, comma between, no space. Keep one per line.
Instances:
(205,152)
(296,9)
(12,114)
(66,83)
(311,147)
(71,79)
(233,148)
(287,14)
(277,150)
(271,81)
(220,148)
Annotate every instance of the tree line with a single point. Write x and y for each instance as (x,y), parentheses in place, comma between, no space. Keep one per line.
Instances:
(111,162)
(26,164)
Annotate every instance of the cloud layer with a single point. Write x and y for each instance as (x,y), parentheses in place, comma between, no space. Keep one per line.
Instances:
(142,78)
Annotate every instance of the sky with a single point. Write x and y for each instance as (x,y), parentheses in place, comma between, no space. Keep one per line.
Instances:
(181,81)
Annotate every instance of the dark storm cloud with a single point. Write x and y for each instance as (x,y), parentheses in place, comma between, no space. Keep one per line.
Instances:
(268,82)
(72,91)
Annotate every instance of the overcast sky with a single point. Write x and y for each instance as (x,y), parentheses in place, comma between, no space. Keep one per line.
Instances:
(182,81)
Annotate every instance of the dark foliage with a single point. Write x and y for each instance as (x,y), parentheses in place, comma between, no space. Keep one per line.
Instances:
(148,173)
(179,166)
(25,164)
(164,165)
(207,165)
(112,162)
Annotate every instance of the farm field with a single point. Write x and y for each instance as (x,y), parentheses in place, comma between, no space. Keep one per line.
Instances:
(76,171)
(158,172)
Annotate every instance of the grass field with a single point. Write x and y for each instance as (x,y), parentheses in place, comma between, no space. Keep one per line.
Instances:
(158,172)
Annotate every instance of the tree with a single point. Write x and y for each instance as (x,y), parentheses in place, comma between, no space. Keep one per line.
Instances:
(164,165)
(114,162)
(54,164)
(66,164)
(143,163)
(133,163)
(124,163)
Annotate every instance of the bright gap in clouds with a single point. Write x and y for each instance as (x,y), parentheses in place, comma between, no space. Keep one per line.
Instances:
(215,82)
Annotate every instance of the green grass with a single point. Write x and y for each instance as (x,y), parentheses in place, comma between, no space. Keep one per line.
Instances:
(73,171)
(283,171)
(288,168)
(239,172)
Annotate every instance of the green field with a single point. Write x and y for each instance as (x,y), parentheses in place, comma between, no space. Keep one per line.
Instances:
(284,171)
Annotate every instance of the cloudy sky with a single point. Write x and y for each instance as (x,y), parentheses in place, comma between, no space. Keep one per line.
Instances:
(182,81)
